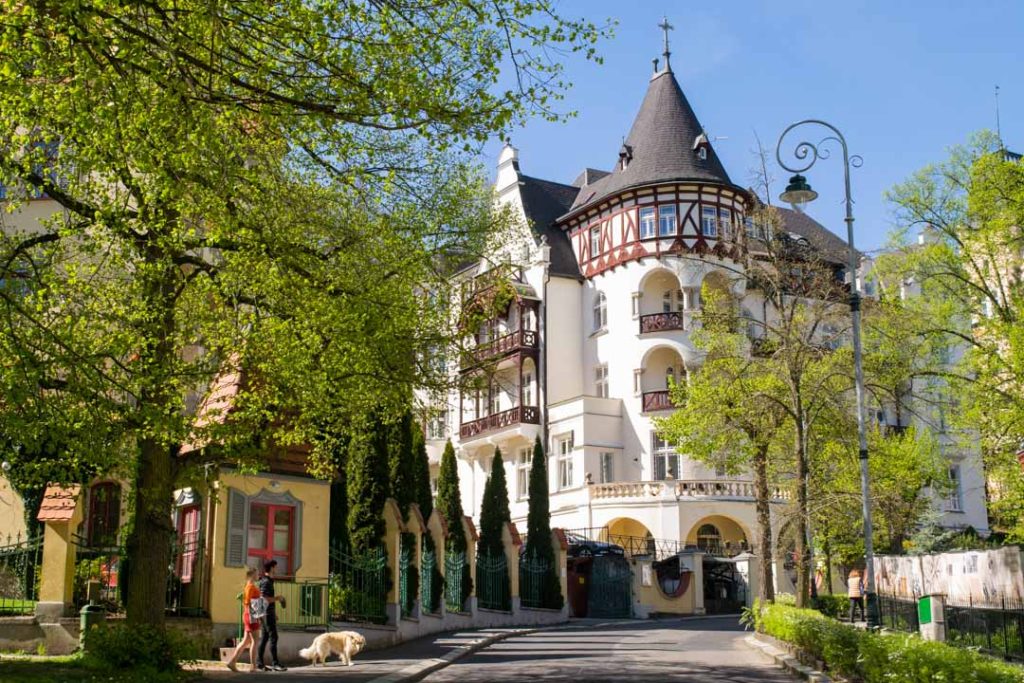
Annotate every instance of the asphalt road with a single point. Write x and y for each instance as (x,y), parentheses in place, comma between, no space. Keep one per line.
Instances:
(707,650)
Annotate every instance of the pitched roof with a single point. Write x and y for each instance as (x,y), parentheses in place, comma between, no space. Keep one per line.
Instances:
(662,142)
(58,503)
(831,247)
(543,202)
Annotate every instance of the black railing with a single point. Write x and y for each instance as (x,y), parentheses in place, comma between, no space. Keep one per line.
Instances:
(592,539)
(995,629)
(506,418)
(662,322)
(898,614)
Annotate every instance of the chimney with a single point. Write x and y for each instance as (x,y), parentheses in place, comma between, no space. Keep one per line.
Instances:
(508,168)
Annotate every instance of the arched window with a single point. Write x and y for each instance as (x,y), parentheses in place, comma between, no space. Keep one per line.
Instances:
(600,311)
(709,538)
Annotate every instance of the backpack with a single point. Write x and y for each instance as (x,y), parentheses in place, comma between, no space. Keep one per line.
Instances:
(257,609)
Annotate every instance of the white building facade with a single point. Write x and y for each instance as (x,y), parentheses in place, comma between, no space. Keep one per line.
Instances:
(607,276)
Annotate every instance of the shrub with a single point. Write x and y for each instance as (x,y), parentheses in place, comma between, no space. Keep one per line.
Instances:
(877,657)
(139,648)
(833,606)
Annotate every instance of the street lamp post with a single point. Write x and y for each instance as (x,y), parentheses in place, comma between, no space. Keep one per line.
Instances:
(798,193)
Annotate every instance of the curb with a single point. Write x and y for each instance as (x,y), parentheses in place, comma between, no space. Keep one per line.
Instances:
(786,661)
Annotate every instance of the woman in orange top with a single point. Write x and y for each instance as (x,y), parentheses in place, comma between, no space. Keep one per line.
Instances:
(249,593)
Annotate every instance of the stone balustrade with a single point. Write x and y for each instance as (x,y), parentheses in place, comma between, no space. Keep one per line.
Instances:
(688,488)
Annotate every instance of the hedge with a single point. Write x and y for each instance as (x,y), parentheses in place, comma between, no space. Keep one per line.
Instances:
(877,657)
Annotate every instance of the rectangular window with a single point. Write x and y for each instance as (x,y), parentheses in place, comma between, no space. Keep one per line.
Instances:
(601,381)
(271,531)
(494,400)
(595,242)
(725,222)
(528,389)
(667,220)
(564,451)
(607,465)
(104,514)
(636,304)
(637,378)
(523,472)
(188,541)
(666,460)
(748,225)
(709,221)
(647,222)
(438,425)
(955,501)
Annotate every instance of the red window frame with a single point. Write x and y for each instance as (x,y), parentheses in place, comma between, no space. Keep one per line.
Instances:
(267,552)
(188,541)
(104,513)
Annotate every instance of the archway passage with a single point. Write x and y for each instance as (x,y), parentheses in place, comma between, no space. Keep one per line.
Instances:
(718,536)
(631,535)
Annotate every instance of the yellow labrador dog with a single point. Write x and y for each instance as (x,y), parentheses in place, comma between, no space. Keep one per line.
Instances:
(345,644)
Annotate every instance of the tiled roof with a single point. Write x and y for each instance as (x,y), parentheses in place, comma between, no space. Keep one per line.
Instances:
(830,246)
(662,142)
(59,503)
(215,407)
(543,202)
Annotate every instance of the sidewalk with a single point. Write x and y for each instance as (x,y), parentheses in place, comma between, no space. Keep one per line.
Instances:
(405,662)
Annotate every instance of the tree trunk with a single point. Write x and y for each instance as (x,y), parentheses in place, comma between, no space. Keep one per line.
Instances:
(803,548)
(762,497)
(149,545)
(828,565)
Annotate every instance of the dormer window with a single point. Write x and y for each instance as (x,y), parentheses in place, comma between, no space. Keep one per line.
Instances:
(702,153)
(625,156)
(700,147)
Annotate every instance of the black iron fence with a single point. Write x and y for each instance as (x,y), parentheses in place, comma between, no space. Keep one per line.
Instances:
(898,614)
(995,629)
(100,564)
(358,585)
(20,573)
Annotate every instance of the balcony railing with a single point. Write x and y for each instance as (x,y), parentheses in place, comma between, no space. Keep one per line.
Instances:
(680,489)
(506,418)
(489,278)
(516,340)
(657,400)
(662,322)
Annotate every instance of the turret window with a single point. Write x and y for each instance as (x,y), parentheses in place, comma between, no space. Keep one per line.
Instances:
(595,242)
(667,220)
(709,221)
(647,223)
(725,222)
(702,153)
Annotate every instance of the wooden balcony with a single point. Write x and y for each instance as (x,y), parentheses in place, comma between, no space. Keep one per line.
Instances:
(513,342)
(662,322)
(657,400)
(499,421)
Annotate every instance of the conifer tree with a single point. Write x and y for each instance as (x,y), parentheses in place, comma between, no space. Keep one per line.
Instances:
(401,463)
(449,499)
(538,528)
(367,482)
(421,468)
(494,512)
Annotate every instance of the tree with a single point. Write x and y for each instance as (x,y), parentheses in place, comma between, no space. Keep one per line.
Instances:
(367,479)
(185,144)
(421,467)
(449,499)
(494,510)
(726,419)
(970,211)
(538,529)
(402,471)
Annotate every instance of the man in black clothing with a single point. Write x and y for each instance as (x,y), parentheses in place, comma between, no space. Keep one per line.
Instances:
(270,620)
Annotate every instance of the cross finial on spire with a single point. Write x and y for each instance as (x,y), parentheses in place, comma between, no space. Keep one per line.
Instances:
(666,27)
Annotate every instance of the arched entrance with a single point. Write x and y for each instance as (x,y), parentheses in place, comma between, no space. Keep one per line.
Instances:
(721,538)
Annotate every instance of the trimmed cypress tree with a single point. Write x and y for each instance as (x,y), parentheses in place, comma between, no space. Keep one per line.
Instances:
(449,499)
(494,512)
(367,483)
(401,464)
(421,467)
(538,528)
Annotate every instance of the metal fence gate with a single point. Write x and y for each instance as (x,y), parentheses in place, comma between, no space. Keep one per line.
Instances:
(493,589)
(20,570)
(611,588)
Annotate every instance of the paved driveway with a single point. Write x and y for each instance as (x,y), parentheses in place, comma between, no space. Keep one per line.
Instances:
(699,650)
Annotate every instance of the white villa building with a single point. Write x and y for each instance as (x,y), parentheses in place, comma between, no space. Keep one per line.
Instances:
(608,276)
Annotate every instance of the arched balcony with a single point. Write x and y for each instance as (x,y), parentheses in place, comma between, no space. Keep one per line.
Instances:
(662,367)
(663,304)
(504,397)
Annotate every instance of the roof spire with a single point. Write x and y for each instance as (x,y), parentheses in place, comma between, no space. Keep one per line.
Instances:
(666,27)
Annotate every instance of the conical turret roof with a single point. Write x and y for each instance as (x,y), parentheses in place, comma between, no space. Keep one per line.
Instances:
(663,145)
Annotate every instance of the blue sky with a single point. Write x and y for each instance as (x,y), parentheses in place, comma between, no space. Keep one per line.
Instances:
(904,80)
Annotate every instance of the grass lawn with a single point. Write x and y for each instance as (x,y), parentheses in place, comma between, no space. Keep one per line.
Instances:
(75,669)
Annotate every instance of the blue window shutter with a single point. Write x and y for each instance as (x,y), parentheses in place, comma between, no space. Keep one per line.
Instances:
(238,514)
